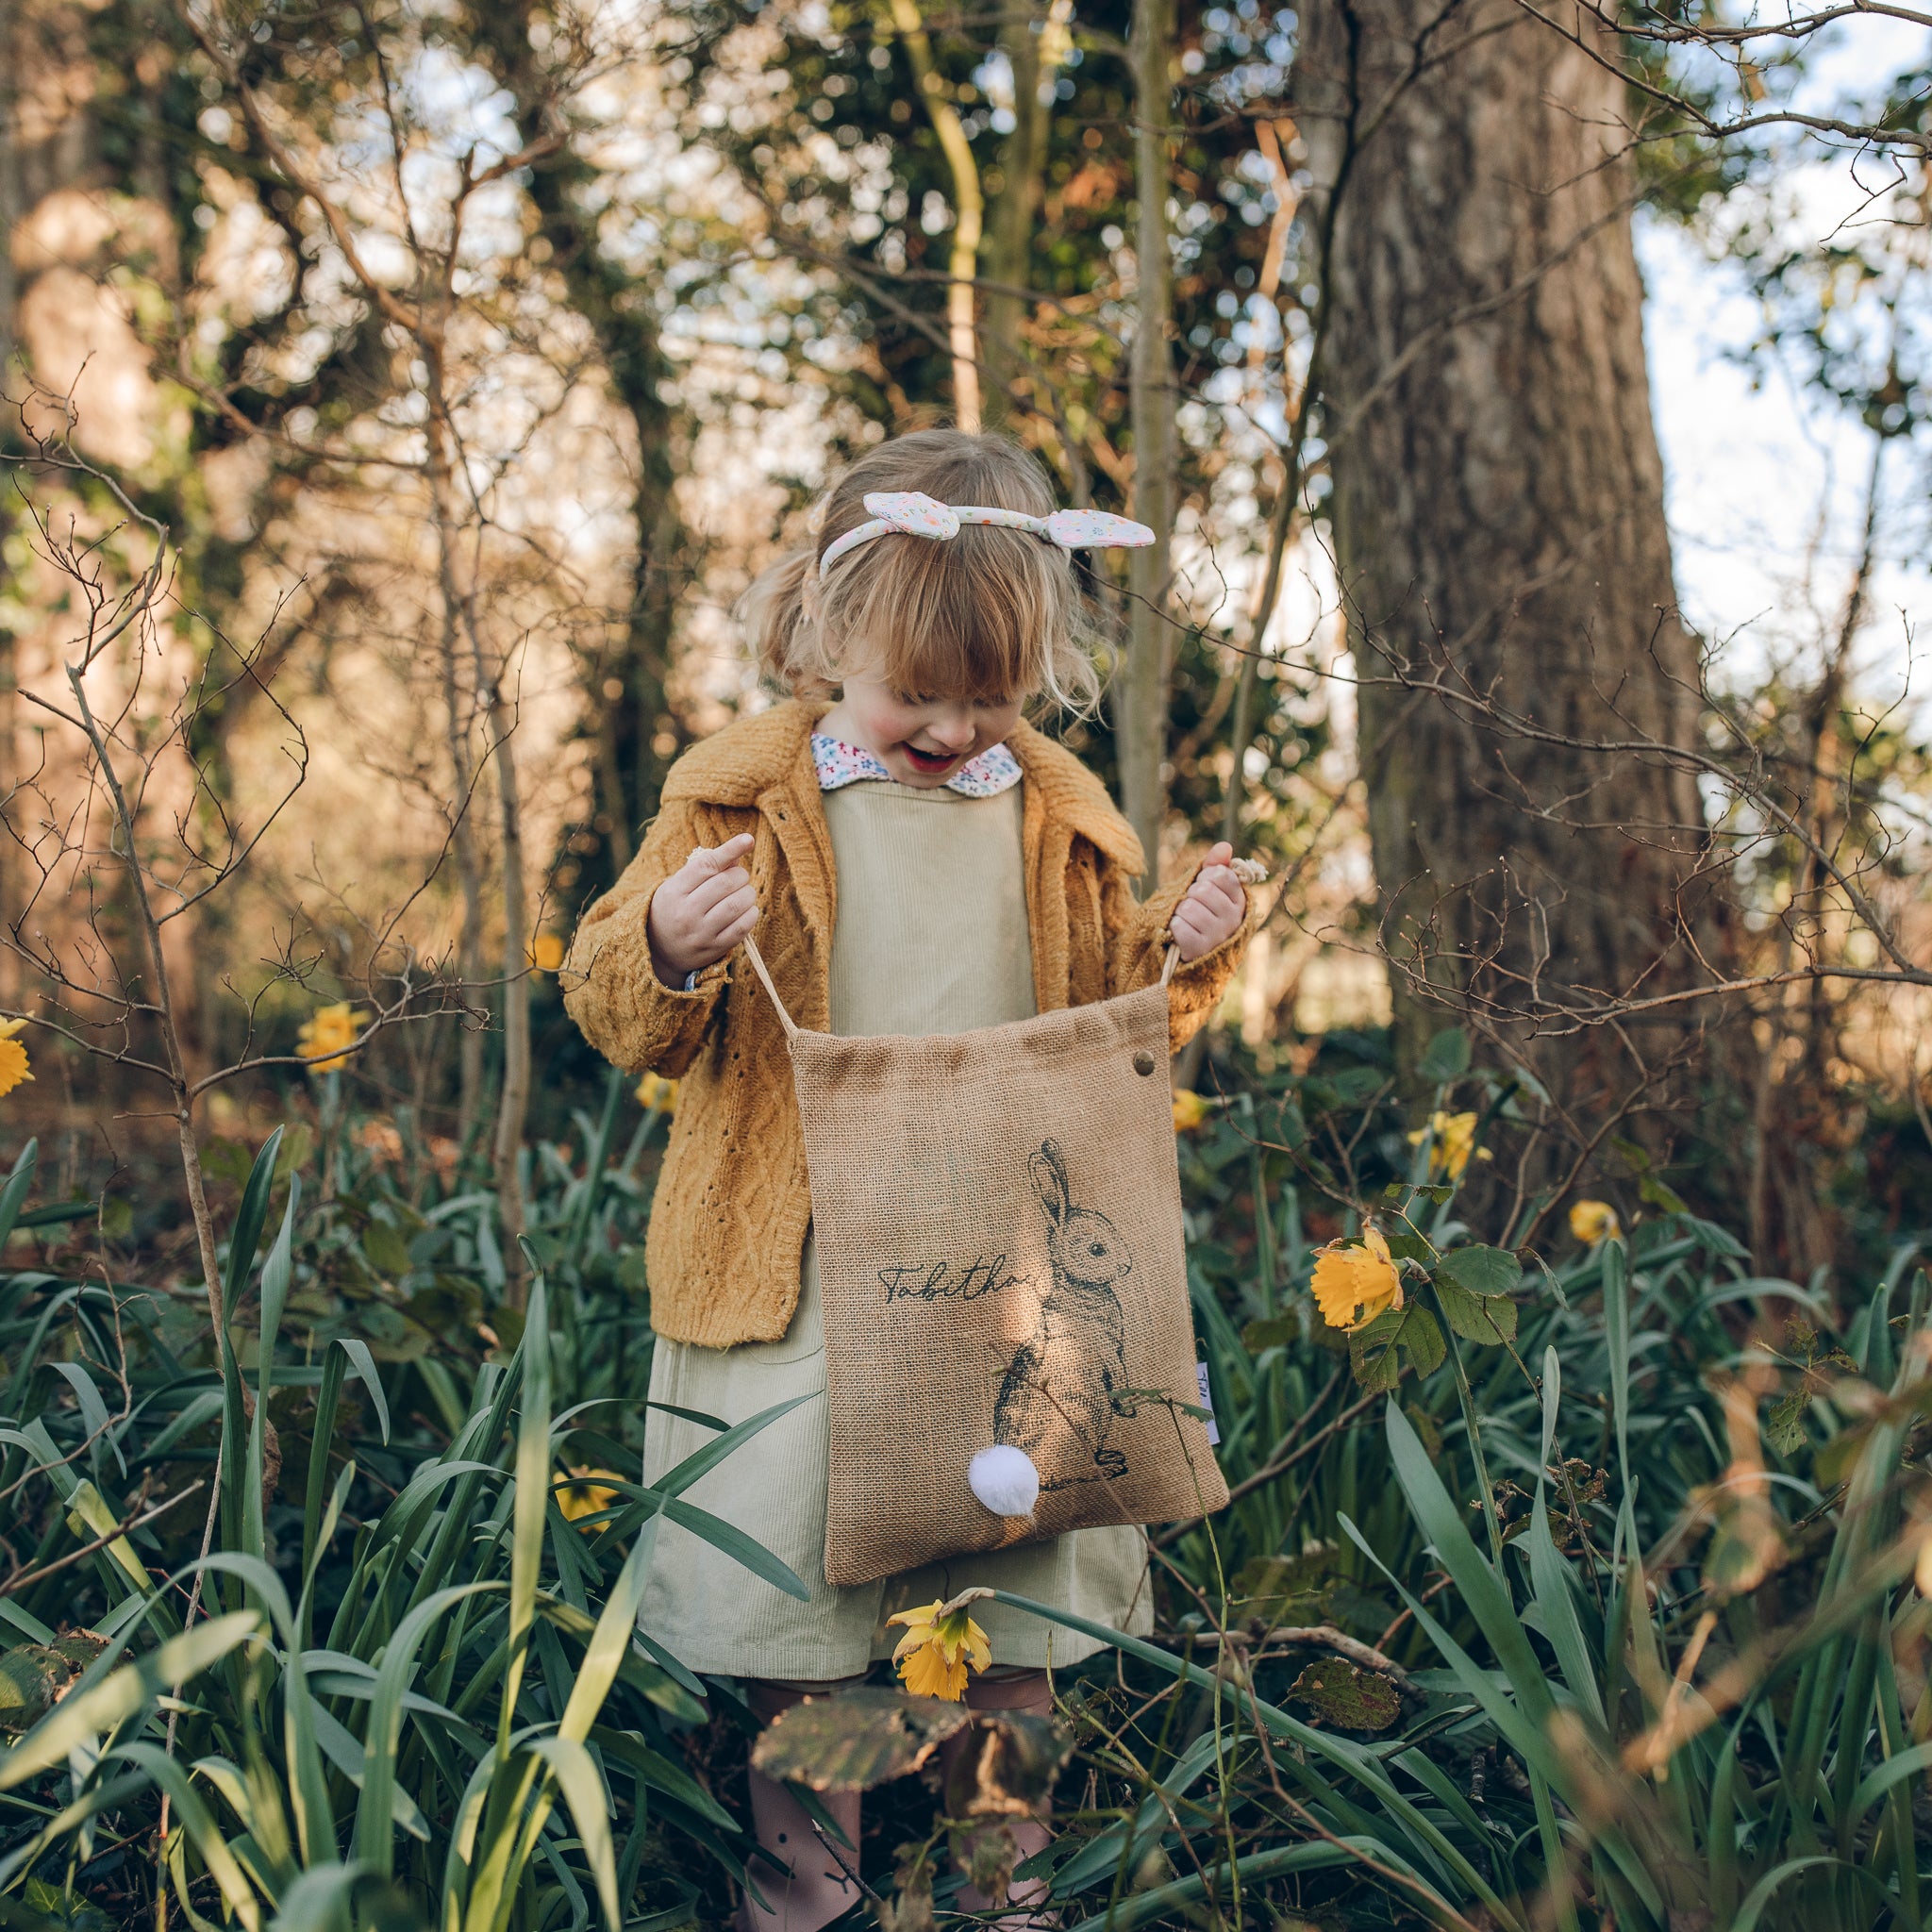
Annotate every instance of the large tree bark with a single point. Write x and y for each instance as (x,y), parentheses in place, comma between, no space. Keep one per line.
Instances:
(1498,520)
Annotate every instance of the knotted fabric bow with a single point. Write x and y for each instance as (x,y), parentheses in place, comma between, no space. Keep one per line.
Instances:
(909,513)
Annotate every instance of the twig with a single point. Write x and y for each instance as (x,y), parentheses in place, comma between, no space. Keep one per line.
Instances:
(136,1520)
(1248,1484)
(1306,1636)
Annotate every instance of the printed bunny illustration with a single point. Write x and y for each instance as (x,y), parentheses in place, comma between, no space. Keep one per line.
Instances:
(1056,1404)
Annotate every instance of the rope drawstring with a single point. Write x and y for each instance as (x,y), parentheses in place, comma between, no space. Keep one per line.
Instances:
(759,966)
(791,1027)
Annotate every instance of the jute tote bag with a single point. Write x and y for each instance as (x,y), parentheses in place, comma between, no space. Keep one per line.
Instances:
(1000,1250)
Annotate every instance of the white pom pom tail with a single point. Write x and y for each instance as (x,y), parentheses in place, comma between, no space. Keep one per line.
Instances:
(1004,1479)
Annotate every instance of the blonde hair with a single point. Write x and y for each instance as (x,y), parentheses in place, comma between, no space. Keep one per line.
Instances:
(991,614)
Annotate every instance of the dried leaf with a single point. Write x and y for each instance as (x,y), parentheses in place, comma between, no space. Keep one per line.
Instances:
(910,1909)
(1008,1766)
(1348,1696)
(34,1677)
(985,1851)
(856,1740)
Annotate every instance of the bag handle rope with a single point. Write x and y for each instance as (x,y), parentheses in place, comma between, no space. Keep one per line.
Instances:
(792,1025)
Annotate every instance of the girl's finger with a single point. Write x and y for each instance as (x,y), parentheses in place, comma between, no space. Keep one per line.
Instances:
(728,913)
(710,858)
(1219,884)
(713,891)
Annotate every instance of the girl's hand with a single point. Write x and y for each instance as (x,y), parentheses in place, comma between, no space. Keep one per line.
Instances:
(1213,909)
(702,910)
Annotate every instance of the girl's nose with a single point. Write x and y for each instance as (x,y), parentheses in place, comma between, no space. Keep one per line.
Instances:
(952,728)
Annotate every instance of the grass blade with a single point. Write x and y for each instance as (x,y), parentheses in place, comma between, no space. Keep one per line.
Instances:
(532,1499)
(276,1272)
(374,1842)
(87,1713)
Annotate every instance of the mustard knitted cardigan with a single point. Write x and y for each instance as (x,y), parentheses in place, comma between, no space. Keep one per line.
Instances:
(732,1207)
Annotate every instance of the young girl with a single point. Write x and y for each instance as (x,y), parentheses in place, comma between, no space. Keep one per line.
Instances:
(916,860)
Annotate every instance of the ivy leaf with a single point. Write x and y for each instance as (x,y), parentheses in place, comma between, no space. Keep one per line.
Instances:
(1481,1271)
(1784,1429)
(1487,1318)
(1410,1247)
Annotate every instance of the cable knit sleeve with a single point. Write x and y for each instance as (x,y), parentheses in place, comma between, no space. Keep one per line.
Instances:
(612,990)
(1137,944)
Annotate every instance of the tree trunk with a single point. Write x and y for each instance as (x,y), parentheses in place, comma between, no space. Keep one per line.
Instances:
(1499,527)
(639,729)
(1015,209)
(470,967)
(13,890)
(489,669)
(1141,724)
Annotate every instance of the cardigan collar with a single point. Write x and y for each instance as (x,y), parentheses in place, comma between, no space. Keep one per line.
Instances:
(772,752)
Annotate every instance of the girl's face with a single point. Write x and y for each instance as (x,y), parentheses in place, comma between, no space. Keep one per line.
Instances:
(921,739)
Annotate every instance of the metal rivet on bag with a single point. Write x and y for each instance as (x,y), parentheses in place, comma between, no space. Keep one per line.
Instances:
(1143,1062)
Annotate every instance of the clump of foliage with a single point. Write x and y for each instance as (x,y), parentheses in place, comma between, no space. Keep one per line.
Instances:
(1568,1585)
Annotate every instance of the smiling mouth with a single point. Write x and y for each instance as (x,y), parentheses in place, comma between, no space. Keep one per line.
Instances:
(930,760)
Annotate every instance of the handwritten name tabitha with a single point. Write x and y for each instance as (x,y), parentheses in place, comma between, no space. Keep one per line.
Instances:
(942,1280)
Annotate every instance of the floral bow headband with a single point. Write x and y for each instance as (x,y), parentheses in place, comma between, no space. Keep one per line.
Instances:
(909,513)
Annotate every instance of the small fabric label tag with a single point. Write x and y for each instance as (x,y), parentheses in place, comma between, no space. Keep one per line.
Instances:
(1208,1403)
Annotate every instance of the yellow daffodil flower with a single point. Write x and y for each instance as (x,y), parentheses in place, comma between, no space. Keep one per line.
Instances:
(587,1493)
(937,1650)
(1592,1221)
(13,1064)
(546,952)
(1452,1141)
(326,1039)
(1190,1110)
(1356,1282)
(658,1093)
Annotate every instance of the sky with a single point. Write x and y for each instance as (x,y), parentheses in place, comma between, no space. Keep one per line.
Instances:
(1765,480)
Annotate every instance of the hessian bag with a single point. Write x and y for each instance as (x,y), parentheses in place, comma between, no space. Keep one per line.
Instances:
(1002,1267)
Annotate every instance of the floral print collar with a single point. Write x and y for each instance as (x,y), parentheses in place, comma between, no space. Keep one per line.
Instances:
(838,763)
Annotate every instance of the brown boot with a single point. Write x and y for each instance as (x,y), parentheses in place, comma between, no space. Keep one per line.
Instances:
(1024,1690)
(806,1879)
